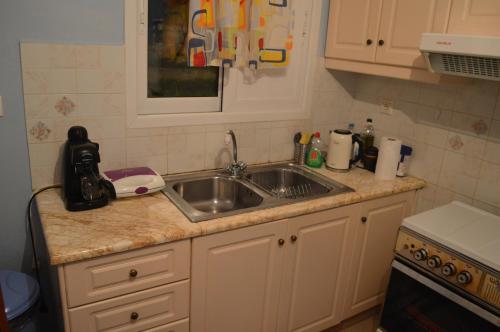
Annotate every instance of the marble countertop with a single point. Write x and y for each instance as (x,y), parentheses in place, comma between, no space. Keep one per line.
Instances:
(143,221)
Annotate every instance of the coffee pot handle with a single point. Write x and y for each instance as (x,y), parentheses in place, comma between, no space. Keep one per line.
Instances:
(356,138)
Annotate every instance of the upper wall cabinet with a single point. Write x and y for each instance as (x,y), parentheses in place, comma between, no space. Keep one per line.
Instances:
(475,17)
(401,26)
(353,29)
(382,37)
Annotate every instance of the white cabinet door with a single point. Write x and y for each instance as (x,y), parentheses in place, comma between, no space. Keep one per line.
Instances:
(375,237)
(352,29)
(315,270)
(475,17)
(401,28)
(236,279)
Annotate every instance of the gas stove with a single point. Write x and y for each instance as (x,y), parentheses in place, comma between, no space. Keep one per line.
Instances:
(458,244)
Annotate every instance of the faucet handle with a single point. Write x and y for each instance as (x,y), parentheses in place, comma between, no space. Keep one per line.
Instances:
(242,166)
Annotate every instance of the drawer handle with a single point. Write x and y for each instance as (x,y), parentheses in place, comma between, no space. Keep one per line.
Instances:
(281,242)
(381,42)
(133,273)
(293,238)
(134,316)
(369,42)
(363,220)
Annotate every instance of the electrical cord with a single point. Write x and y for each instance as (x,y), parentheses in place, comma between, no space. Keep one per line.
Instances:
(30,227)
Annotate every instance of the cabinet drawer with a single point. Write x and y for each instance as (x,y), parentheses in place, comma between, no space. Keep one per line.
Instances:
(115,275)
(140,311)
(180,326)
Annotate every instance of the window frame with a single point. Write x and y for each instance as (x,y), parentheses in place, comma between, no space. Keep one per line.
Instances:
(143,112)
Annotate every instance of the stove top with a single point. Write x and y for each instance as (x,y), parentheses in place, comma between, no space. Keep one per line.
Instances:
(465,229)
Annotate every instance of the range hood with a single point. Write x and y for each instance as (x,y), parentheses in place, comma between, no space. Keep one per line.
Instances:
(469,56)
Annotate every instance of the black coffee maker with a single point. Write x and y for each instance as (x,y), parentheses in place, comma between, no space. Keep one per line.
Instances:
(84,187)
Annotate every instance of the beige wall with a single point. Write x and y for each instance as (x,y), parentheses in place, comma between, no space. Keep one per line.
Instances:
(67,85)
(454,130)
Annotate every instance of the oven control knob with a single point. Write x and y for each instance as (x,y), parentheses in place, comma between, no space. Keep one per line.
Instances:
(434,262)
(420,254)
(449,269)
(464,278)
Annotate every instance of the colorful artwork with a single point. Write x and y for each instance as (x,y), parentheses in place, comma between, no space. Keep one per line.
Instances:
(240,33)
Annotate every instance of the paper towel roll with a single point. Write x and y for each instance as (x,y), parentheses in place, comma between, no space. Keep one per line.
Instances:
(388,158)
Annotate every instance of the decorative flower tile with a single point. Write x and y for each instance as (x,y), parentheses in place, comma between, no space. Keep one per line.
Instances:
(480,127)
(456,143)
(40,131)
(65,106)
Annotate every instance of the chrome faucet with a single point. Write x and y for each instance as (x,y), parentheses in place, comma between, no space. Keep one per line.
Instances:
(236,168)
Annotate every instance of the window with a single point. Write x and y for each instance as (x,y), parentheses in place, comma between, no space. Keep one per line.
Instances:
(163,91)
(168,75)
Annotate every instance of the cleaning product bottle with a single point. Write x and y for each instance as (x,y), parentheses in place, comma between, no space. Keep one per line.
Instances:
(314,157)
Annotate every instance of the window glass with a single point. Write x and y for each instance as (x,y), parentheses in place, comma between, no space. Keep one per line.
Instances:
(168,74)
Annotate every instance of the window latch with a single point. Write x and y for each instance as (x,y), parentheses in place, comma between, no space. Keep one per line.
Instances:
(142,18)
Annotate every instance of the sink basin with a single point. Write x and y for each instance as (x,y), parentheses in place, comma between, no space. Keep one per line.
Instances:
(287,183)
(212,194)
(217,194)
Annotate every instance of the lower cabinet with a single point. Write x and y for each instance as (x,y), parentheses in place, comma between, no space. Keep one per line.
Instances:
(300,274)
(312,284)
(375,236)
(306,273)
(155,307)
(283,276)
(236,279)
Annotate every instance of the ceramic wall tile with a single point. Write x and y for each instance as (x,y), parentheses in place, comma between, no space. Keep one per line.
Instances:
(88,56)
(45,154)
(186,152)
(426,162)
(460,173)
(145,146)
(35,55)
(465,144)
(105,105)
(218,154)
(492,152)
(112,58)
(158,163)
(100,81)
(488,189)
(495,130)
(62,56)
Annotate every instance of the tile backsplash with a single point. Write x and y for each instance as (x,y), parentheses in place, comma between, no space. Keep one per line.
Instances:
(66,85)
(454,129)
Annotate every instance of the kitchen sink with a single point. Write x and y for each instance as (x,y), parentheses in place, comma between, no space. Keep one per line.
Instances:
(217,194)
(285,182)
(209,195)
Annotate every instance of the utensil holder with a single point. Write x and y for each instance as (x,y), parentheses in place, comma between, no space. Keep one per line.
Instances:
(300,153)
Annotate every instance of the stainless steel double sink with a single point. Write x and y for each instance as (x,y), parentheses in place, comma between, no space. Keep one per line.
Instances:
(210,195)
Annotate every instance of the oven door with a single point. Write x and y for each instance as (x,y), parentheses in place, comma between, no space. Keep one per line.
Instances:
(415,303)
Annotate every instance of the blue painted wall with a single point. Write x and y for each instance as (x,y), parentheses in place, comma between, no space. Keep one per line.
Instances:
(72,21)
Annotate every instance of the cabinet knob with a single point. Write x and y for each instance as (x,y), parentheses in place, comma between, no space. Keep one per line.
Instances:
(364,219)
(369,42)
(293,238)
(381,42)
(134,316)
(281,242)
(133,273)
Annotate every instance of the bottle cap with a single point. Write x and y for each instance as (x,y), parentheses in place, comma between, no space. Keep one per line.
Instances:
(369,120)
(406,150)
(317,134)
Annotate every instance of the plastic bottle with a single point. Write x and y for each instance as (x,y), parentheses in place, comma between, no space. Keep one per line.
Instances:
(368,134)
(314,157)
